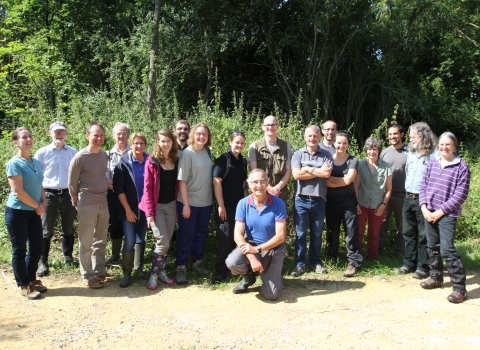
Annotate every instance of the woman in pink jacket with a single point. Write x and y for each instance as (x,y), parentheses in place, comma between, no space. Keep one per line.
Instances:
(159,201)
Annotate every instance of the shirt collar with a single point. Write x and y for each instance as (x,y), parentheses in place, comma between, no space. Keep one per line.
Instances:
(269,199)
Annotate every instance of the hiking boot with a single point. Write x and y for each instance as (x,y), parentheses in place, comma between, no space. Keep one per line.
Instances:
(106,277)
(247,281)
(95,283)
(351,270)
(430,284)
(198,266)
(419,274)
(30,292)
(403,270)
(181,274)
(297,271)
(320,269)
(457,297)
(39,286)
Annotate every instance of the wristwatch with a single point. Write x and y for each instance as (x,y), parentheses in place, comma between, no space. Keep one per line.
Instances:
(259,247)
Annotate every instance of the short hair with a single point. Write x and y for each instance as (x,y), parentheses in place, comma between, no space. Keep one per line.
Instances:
(342,133)
(92,124)
(16,133)
(182,121)
(138,135)
(191,135)
(313,127)
(373,142)
(157,150)
(257,170)
(329,121)
(400,128)
(119,124)
(451,136)
(428,140)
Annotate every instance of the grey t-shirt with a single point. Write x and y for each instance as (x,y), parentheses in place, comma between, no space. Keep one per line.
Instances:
(397,158)
(330,149)
(195,168)
(372,184)
(316,186)
(86,177)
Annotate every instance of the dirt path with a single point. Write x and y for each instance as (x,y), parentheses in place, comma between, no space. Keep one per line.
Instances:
(313,313)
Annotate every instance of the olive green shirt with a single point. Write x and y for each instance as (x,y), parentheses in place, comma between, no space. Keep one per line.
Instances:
(372,185)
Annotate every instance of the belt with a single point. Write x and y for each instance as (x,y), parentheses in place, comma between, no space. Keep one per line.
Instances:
(412,195)
(60,191)
(307,196)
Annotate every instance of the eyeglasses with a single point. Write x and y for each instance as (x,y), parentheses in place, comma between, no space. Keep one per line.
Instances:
(139,143)
(259,182)
(270,125)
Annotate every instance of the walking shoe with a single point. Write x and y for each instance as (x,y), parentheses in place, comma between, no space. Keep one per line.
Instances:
(39,286)
(297,271)
(30,292)
(351,270)
(419,274)
(320,269)
(95,283)
(152,282)
(106,277)
(198,266)
(181,274)
(457,297)
(430,284)
(403,270)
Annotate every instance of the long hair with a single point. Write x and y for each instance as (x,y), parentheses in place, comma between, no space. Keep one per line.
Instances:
(157,150)
(191,136)
(428,140)
(16,135)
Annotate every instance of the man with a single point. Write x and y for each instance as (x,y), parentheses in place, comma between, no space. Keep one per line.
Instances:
(182,129)
(88,189)
(260,231)
(396,156)
(329,130)
(273,156)
(55,159)
(422,147)
(311,166)
(121,133)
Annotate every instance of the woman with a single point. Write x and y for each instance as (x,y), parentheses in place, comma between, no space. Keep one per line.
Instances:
(230,186)
(342,204)
(194,201)
(444,189)
(22,214)
(159,201)
(373,187)
(128,186)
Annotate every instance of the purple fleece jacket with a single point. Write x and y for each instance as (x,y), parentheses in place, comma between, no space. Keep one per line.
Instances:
(445,188)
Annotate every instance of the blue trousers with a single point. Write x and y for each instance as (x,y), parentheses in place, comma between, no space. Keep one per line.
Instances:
(134,232)
(192,233)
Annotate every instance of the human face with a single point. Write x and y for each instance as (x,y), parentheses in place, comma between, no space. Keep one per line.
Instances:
(138,146)
(121,136)
(341,144)
(165,144)
(200,137)
(95,137)
(258,183)
(395,136)
(270,126)
(58,137)
(312,137)
(182,131)
(446,148)
(414,138)
(237,145)
(24,141)
(372,154)
(329,131)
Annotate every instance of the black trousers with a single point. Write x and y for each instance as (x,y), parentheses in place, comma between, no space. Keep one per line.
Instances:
(225,242)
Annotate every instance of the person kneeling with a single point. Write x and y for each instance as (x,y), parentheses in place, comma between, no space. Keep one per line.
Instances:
(260,230)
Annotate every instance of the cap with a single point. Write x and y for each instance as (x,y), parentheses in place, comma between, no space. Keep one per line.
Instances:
(58,126)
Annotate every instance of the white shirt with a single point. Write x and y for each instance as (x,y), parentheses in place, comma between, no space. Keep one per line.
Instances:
(55,163)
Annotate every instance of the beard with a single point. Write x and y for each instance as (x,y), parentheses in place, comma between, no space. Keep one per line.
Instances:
(58,142)
(182,137)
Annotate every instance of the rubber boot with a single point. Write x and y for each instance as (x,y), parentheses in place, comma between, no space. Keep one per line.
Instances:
(67,247)
(127,264)
(156,267)
(43,270)
(247,280)
(162,275)
(139,260)
(116,248)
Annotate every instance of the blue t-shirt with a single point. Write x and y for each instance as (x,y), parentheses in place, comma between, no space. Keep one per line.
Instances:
(260,226)
(32,177)
(139,172)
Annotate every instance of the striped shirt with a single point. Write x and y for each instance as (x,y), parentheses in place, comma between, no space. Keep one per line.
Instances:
(447,188)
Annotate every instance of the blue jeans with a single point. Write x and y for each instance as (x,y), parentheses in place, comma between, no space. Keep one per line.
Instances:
(192,233)
(308,212)
(134,232)
(24,226)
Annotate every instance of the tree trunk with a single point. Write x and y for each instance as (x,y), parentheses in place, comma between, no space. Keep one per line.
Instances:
(152,78)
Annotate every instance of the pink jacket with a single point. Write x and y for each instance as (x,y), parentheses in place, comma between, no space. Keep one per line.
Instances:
(151,187)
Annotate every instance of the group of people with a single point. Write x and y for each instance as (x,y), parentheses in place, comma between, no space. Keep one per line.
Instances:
(126,190)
